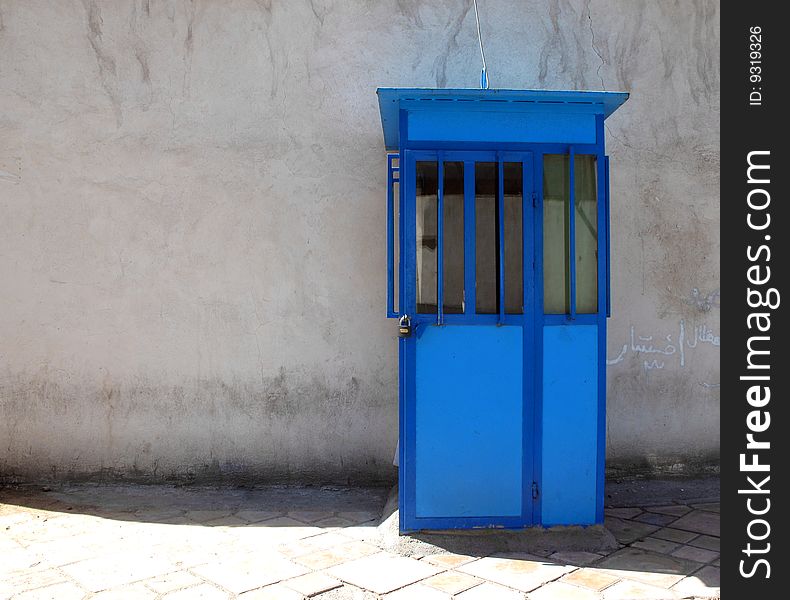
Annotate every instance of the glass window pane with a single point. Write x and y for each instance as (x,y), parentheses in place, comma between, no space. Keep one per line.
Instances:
(486,243)
(453,238)
(427,173)
(514,252)
(586,225)
(556,219)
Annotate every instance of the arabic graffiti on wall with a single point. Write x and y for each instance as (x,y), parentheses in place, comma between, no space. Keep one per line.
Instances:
(659,348)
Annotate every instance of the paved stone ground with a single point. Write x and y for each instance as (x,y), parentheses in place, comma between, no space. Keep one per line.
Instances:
(130,542)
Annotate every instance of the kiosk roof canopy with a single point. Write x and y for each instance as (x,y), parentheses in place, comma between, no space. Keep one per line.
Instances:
(391,100)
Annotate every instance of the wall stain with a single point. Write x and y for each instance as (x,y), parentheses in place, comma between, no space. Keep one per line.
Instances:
(293,426)
(104,61)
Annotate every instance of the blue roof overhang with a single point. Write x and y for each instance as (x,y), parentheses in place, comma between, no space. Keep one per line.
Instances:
(392,100)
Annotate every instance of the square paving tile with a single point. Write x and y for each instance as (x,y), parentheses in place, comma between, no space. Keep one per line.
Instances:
(134,591)
(240,574)
(59,591)
(704,583)
(696,554)
(329,557)
(655,519)
(709,506)
(452,582)
(592,579)
(699,521)
(172,581)
(347,592)
(562,591)
(706,541)
(312,543)
(520,571)
(272,531)
(622,513)
(578,559)
(106,572)
(255,516)
(490,591)
(383,572)
(333,522)
(449,560)
(203,591)
(70,550)
(202,516)
(628,531)
(161,514)
(634,590)
(312,583)
(20,559)
(278,591)
(656,545)
(29,579)
(676,510)
(310,516)
(417,591)
(648,567)
(229,521)
(359,516)
(674,535)
(364,532)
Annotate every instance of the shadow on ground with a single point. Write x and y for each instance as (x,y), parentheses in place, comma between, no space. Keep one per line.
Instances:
(660,540)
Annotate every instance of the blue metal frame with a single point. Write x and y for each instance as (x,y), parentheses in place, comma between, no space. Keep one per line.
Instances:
(392,171)
(572,233)
(440,242)
(527,320)
(538,327)
(392,101)
(500,213)
(603,313)
(533,321)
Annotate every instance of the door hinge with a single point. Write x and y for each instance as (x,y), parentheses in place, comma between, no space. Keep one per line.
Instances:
(534,490)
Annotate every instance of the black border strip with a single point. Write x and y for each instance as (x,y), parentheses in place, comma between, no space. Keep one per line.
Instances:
(752,124)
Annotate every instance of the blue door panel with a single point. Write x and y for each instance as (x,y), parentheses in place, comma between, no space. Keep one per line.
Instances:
(570,431)
(469,403)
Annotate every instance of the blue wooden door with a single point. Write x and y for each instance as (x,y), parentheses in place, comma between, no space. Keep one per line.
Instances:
(467,372)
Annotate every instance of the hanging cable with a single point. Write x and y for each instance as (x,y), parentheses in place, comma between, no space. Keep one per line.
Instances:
(484,73)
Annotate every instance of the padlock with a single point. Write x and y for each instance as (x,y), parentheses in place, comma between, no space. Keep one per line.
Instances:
(404,326)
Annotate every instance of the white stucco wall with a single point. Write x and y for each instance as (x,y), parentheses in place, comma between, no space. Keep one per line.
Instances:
(192,225)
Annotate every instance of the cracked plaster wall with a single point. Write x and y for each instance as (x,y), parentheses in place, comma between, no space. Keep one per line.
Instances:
(191,225)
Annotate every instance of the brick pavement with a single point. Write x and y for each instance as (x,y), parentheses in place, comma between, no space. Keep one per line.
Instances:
(130,542)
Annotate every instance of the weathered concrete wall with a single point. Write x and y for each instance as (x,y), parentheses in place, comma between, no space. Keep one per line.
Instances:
(192,224)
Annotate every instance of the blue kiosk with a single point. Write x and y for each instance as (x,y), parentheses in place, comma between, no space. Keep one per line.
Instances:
(498,274)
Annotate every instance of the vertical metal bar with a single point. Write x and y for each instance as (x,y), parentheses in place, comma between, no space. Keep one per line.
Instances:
(500,197)
(440,244)
(527,237)
(401,246)
(527,324)
(603,268)
(607,223)
(390,241)
(469,238)
(572,233)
